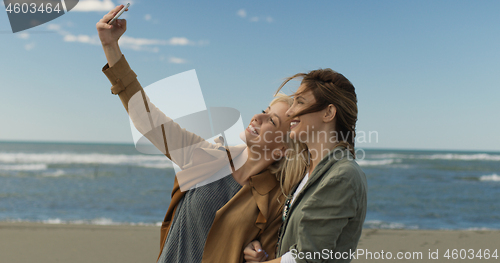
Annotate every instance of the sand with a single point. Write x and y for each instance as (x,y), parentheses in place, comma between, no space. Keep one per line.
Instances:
(425,241)
(46,243)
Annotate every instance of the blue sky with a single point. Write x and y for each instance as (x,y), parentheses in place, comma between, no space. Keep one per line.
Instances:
(427,73)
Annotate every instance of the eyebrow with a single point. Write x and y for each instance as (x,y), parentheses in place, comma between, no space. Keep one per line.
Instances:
(299,97)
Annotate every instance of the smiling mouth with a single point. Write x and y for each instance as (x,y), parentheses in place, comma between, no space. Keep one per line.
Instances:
(252,130)
(294,124)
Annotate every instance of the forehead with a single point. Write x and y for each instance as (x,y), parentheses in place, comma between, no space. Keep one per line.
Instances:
(303,92)
(279,108)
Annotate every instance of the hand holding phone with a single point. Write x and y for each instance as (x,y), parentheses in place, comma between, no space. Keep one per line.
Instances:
(109,34)
(118,14)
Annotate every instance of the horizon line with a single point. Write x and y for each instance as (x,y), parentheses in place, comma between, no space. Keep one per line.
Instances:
(132,144)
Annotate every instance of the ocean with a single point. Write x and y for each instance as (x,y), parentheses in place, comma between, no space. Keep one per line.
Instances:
(108,184)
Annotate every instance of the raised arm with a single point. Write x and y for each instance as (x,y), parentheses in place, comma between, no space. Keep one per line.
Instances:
(173,141)
(109,35)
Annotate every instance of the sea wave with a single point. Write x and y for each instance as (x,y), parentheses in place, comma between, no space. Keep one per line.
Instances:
(23,167)
(379,224)
(97,221)
(56,173)
(440,156)
(377,162)
(388,156)
(479,229)
(40,161)
(462,157)
(491,177)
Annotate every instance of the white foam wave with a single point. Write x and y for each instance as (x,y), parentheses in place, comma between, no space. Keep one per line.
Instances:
(387,225)
(491,177)
(97,221)
(39,161)
(23,167)
(479,229)
(57,173)
(461,157)
(440,156)
(376,162)
(53,221)
(387,156)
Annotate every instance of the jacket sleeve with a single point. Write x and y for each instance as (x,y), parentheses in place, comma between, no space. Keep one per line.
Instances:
(166,135)
(325,214)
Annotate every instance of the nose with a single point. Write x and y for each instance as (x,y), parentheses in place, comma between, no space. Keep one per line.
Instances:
(290,111)
(258,118)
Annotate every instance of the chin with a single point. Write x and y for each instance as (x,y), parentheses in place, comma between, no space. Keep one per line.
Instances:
(294,135)
(247,138)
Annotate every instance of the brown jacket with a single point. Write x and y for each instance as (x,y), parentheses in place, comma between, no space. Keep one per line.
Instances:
(253,213)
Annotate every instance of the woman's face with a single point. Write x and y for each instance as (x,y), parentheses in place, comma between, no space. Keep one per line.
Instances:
(304,126)
(268,130)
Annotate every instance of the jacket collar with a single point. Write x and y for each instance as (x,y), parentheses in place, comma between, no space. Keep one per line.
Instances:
(263,182)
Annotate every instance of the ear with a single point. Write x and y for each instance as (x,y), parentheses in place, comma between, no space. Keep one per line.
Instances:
(279,153)
(330,113)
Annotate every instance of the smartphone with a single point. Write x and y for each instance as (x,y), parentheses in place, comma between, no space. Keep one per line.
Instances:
(119,14)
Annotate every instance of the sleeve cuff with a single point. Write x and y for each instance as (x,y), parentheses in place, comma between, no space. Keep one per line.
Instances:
(287,258)
(120,75)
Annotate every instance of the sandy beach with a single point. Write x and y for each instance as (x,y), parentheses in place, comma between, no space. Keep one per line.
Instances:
(425,241)
(48,243)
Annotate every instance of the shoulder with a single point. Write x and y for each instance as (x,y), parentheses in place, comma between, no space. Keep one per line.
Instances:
(344,180)
(346,170)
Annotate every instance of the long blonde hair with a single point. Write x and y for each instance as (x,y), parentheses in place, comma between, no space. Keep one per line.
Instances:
(292,167)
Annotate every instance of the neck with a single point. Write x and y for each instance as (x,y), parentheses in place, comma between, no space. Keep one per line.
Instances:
(319,148)
(253,165)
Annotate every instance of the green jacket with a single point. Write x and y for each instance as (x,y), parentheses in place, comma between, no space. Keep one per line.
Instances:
(327,216)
